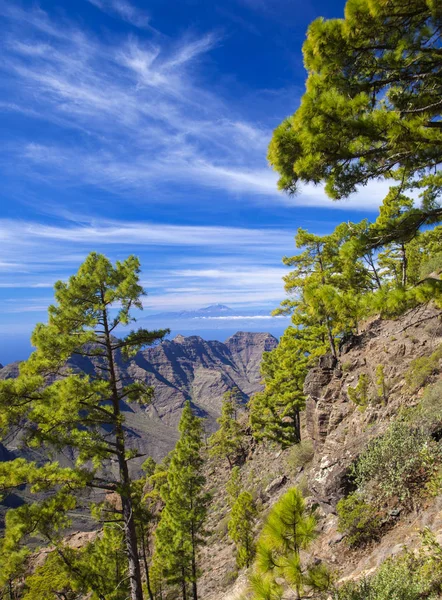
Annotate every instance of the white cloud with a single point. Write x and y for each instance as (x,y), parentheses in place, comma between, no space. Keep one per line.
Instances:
(242,318)
(125,10)
(30,305)
(145,115)
(366,198)
(26,234)
(183,266)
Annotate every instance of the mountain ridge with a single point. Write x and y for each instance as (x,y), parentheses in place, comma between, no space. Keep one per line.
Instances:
(211,311)
(181,369)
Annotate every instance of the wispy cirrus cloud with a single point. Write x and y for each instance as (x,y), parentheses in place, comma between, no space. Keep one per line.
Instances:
(135,113)
(234,265)
(17,235)
(125,10)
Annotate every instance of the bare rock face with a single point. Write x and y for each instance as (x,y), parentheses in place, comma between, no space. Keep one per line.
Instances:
(185,368)
(339,429)
(9,371)
(318,405)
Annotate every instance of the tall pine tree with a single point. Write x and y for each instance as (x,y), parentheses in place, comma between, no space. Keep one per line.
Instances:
(60,410)
(290,528)
(227,441)
(181,530)
(240,528)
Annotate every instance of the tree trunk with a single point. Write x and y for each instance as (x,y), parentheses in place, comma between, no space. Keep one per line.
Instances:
(136,590)
(404,265)
(194,569)
(146,566)
(183,584)
(331,339)
(130,534)
(298,425)
(375,271)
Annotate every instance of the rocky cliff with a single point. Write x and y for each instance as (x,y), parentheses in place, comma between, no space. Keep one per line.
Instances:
(339,431)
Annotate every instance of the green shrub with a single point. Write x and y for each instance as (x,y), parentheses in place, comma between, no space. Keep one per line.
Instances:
(357,519)
(359,394)
(397,464)
(229,578)
(303,486)
(406,577)
(428,413)
(395,580)
(300,454)
(222,528)
(381,384)
(422,368)
(432,265)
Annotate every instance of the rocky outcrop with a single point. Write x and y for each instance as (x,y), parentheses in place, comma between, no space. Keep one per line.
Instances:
(318,409)
(338,428)
(9,371)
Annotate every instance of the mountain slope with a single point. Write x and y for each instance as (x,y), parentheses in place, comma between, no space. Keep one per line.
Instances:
(185,368)
(339,432)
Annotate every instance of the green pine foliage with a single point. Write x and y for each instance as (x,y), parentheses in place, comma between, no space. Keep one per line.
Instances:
(359,394)
(409,576)
(275,412)
(240,528)
(381,384)
(336,281)
(227,441)
(98,570)
(371,110)
(289,529)
(233,486)
(61,410)
(371,107)
(181,532)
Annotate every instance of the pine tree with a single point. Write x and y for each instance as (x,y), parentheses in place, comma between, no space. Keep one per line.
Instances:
(233,486)
(97,570)
(59,409)
(323,308)
(241,528)
(227,441)
(372,103)
(358,257)
(181,530)
(275,412)
(144,514)
(290,528)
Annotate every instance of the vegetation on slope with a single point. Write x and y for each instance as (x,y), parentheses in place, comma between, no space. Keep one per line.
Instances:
(371,109)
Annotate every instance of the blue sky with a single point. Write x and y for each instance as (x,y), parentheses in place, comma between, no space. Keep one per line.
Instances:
(142,127)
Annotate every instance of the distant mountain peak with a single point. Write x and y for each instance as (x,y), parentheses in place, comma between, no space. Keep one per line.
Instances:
(217,307)
(208,311)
